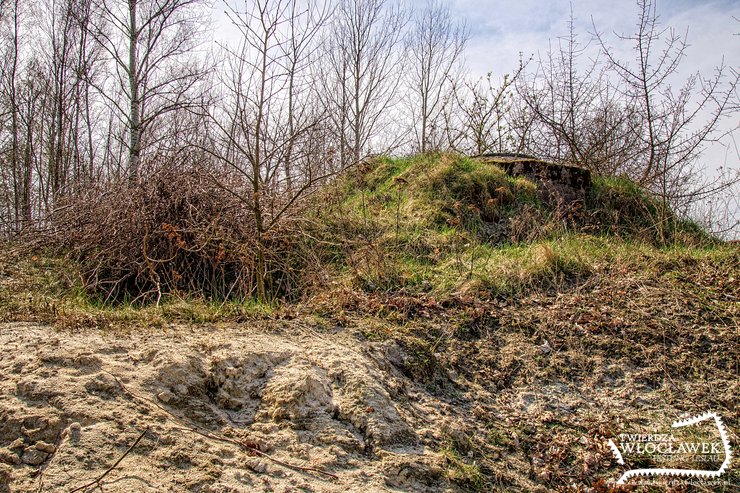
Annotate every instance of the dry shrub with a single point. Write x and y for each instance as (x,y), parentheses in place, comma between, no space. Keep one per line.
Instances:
(180,231)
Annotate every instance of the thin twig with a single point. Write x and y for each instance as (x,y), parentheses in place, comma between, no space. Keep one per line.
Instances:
(254,450)
(115,464)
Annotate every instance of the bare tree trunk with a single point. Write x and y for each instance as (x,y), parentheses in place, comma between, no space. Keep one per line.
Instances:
(28,156)
(257,166)
(14,127)
(135,108)
(434,46)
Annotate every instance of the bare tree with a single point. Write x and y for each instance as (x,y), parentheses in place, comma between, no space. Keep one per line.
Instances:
(435,47)
(19,192)
(676,126)
(576,116)
(151,44)
(71,62)
(305,23)
(480,120)
(264,128)
(362,73)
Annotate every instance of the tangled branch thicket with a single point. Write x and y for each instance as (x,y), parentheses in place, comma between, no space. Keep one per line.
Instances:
(180,232)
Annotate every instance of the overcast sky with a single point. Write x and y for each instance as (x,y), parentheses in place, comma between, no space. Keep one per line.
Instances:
(502,29)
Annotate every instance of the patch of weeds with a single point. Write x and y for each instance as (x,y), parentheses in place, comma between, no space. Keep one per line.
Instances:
(542,266)
(525,190)
(375,331)
(423,365)
(387,169)
(462,470)
(498,437)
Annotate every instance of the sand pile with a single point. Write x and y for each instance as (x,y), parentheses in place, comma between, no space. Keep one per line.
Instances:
(74,403)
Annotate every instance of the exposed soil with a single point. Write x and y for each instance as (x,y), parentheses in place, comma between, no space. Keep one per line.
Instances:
(321,401)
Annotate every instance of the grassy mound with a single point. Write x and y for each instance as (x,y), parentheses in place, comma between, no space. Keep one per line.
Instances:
(445,224)
(434,226)
(569,324)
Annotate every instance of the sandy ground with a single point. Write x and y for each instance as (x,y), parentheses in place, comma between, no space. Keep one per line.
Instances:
(71,404)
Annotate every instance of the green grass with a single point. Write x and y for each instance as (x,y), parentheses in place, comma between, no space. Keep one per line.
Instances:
(442,224)
(463,265)
(621,208)
(463,471)
(45,289)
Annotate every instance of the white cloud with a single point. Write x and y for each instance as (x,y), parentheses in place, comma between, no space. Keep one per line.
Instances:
(500,30)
